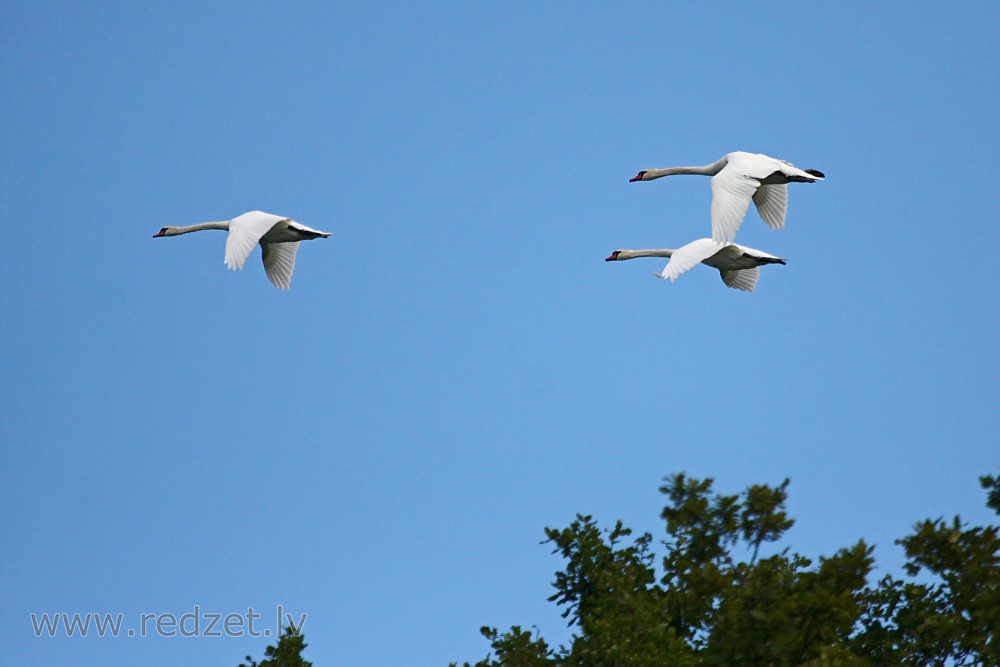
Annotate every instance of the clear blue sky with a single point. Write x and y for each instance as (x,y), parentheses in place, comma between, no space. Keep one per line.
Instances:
(457,367)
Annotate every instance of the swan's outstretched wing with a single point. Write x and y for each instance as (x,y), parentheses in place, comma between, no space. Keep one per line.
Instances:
(731,193)
(772,202)
(279,262)
(741,179)
(744,279)
(244,233)
(687,256)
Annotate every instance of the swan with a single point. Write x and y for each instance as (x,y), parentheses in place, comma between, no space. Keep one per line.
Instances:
(737,264)
(278,237)
(738,177)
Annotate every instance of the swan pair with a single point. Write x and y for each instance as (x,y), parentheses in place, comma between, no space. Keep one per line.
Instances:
(736,179)
(278,238)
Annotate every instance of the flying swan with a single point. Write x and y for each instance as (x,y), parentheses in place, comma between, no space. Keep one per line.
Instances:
(738,177)
(278,237)
(737,264)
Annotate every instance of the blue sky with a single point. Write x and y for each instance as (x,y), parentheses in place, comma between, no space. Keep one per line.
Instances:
(457,367)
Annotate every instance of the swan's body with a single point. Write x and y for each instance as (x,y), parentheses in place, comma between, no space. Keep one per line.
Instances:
(278,237)
(738,177)
(737,264)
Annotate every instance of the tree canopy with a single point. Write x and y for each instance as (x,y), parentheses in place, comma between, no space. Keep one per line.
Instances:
(706,606)
(287,652)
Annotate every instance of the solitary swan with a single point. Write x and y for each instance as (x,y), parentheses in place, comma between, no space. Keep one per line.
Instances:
(278,237)
(737,264)
(735,179)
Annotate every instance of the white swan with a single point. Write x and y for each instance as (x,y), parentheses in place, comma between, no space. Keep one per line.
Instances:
(737,264)
(738,177)
(278,238)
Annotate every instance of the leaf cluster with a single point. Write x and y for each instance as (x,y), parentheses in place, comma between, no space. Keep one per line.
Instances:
(286,653)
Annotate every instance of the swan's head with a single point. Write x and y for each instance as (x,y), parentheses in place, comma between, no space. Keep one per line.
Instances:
(163,232)
(641,176)
(613,257)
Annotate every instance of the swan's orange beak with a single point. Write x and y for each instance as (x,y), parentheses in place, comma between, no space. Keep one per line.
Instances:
(637,177)
(159,233)
(612,257)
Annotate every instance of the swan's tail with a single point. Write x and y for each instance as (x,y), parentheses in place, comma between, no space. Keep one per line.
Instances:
(308,234)
(811,176)
(765,259)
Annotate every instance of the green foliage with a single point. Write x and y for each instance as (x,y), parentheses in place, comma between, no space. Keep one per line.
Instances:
(708,606)
(609,591)
(993,497)
(287,653)
(955,619)
(516,647)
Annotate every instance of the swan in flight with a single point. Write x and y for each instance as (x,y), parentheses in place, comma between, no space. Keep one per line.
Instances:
(278,237)
(737,264)
(738,177)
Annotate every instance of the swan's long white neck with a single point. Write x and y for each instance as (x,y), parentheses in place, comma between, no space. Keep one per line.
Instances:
(176,231)
(653,252)
(707,170)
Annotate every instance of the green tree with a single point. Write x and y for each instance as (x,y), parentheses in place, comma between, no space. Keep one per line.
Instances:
(287,653)
(708,606)
(955,618)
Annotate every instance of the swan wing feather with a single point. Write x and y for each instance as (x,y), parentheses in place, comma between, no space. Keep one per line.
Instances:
(772,202)
(688,256)
(279,262)
(743,279)
(244,233)
(731,193)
